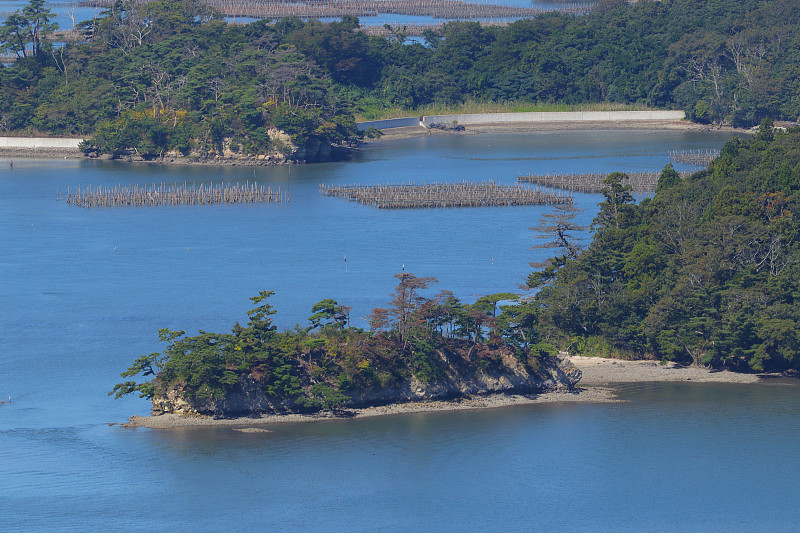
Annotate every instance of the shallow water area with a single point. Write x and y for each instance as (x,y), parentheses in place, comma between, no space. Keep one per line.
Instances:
(83,292)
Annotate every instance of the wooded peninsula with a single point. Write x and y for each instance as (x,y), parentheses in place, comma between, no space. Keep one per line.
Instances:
(706,272)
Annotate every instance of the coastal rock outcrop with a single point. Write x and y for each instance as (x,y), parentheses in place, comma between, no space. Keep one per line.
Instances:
(283,151)
(460,374)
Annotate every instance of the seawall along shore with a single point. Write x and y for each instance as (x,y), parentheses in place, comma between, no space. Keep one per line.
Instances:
(558,116)
(47,147)
(526,118)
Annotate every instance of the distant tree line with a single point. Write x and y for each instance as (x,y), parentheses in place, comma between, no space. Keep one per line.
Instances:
(731,61)
(162,76)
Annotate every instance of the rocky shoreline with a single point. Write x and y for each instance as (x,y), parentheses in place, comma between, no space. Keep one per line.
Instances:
(68,153)
(174,421)
(229,159)
(40,153)
(600,375)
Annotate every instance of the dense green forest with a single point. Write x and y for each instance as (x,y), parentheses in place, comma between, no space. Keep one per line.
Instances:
(732,61)
(707,271)
(175,76)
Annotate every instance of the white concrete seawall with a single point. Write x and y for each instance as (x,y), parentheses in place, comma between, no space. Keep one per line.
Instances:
(34,143)
(566,116)
(533,117)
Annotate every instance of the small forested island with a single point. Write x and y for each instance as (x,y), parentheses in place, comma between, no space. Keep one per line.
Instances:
(151,80)
(418,349)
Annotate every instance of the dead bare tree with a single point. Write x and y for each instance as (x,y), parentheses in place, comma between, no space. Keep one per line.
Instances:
(217,85)
(58,59)
(159,90)
(130,28)
(735,48)
(558,229)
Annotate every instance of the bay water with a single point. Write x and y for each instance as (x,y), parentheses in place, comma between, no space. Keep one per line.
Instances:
(83,292)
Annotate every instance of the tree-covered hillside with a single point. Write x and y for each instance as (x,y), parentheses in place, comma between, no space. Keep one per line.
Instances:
(708,271)
(736,61)
(174,76)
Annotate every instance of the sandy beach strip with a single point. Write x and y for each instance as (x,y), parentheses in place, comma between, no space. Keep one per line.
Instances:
(600,371)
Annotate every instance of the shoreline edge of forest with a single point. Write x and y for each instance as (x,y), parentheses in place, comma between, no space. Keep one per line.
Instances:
(409,132)
(600,375)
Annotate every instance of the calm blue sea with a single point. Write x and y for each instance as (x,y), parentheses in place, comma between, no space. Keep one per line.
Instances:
(82,293)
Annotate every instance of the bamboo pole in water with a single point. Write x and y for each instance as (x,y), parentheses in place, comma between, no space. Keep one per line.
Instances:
(593,182)
(460,194)
(171,195)
(701,158)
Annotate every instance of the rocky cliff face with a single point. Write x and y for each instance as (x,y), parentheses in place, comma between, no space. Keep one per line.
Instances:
(247,398)
(509,376)
(312,151)
(461,377)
